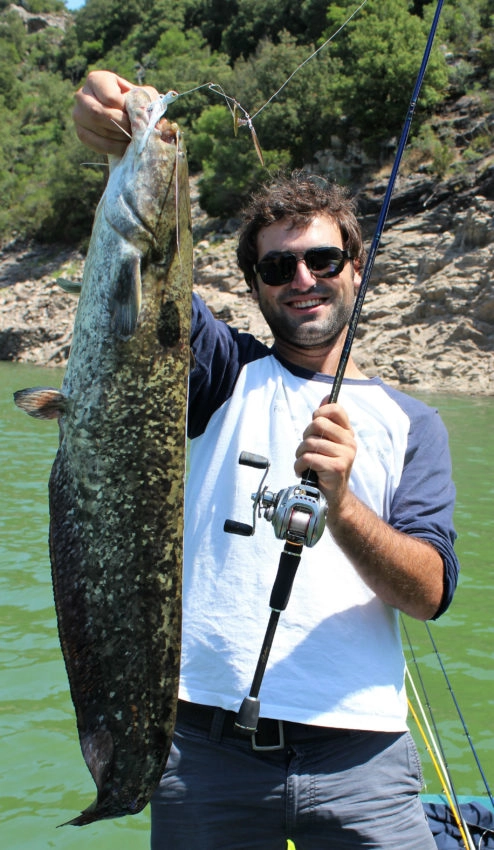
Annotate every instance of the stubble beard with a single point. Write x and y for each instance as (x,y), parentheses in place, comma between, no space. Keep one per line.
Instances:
(311,332)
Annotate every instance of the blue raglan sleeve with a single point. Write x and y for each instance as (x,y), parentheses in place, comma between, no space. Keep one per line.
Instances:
(218,353)
(424,501)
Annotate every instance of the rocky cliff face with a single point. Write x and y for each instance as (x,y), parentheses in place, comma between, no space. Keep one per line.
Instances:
(35,21)
(427,321)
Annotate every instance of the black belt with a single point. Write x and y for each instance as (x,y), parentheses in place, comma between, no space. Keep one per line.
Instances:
(271,734)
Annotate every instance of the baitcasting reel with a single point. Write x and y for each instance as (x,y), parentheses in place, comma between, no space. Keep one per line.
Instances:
(298,513)
(298,516)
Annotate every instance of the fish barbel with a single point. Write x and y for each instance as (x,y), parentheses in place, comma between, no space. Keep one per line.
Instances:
(116,487)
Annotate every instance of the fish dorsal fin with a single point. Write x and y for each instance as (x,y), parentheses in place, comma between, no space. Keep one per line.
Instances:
(127,298)
(41,402)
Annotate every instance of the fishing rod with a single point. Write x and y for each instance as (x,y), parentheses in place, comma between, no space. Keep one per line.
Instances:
(436,752)
(438,746)
(458,817)
(299,513)
(447,788)
(427,700)
(460,715)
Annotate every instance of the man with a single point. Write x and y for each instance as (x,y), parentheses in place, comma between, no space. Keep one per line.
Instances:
(332,764)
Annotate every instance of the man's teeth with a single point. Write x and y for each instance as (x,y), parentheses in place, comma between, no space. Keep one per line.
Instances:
(303,305)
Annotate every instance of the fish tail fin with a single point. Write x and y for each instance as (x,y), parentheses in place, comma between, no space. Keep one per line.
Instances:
(87,816)
(99,811)
(41,402)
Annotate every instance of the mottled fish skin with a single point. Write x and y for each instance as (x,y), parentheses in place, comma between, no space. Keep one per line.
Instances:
(116,487)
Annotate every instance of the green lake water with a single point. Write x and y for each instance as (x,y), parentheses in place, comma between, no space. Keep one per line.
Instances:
(43,778)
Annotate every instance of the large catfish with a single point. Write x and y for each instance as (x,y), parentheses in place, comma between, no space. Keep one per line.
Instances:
(116,488)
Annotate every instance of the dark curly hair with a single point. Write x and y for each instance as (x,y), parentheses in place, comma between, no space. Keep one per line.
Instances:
(299,198)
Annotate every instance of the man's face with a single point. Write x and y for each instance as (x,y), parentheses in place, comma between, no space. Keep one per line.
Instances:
(309,312)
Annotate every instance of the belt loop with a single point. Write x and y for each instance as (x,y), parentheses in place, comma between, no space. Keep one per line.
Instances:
(217,723)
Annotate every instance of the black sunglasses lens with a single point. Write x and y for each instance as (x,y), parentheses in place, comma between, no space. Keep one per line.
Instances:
(279,270)
(287,268)
(329,261)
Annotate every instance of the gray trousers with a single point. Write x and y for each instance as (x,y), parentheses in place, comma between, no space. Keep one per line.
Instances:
(353,790)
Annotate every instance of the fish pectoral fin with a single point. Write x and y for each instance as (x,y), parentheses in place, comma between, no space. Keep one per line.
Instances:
(127,298)
(73,287)
(41,402)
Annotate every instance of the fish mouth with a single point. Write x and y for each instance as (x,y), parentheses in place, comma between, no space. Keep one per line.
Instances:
(168,131)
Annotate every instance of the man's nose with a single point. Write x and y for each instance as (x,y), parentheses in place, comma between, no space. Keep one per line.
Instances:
(304,278)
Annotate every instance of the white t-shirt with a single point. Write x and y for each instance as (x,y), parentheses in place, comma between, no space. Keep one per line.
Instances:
(336,659)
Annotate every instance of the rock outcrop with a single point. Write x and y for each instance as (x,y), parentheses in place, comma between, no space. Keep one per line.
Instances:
(36,21)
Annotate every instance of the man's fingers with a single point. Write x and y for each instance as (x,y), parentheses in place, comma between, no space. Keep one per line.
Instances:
(99,112)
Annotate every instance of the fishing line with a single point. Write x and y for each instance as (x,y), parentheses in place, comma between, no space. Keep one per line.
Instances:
(442,768)
(218,89)
(438,758)
(248,120)
(309,475)
(120,128)
(352,328)
(355,12)
(460,715)
(234,105)
(424,691)
(460,822)
(196,88)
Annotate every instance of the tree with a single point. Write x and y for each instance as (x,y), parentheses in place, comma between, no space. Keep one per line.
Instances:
(303,113)
(184,61)
(381,50)
(358,86)
(231,167)
(464,22)
(103,24)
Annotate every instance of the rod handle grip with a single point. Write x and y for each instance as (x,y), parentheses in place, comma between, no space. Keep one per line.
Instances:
(283,582)
(248,716)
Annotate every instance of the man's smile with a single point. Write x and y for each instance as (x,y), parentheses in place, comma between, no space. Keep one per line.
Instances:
(306,303)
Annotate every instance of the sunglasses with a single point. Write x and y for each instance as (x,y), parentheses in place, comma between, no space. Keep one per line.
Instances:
(281,268)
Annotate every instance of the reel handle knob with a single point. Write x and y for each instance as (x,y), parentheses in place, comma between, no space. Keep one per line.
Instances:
(231,526)
(256,461)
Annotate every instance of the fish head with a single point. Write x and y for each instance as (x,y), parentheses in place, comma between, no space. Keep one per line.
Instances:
(151,180)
